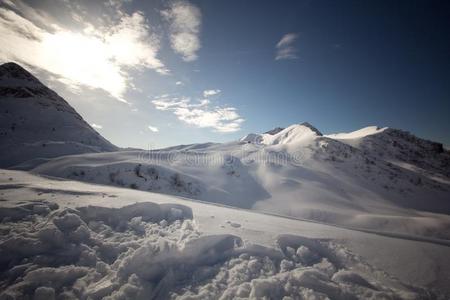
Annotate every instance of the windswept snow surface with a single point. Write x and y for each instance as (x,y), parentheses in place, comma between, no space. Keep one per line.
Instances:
(358,134)
(36,123)
(70,240)
(378,179)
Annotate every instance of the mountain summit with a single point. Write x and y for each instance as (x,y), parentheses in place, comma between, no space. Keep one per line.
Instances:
(278,135)
(15,72)
(274,131)
(36,123)
(306,124)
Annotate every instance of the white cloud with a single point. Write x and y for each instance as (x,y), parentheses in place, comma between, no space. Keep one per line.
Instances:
(153,128)
(208,93)
(96,126)
(285,48)
(185,20)
(38,17)
(204,102)
(201,114)
(95,58)
(179,83)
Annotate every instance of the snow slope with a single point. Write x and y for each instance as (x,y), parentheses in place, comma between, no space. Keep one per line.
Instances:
(403,149)
(36,123)
(357,134)
(80,241)
(363,179)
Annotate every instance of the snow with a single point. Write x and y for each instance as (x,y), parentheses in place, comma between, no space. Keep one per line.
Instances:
(76,240)
(286,214)
(293,133)
(361,133)
(402,149)
(75,247)
(295,172)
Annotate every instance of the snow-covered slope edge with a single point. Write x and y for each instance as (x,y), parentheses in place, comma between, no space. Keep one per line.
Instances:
(76,240)
(401,148)
(36,123)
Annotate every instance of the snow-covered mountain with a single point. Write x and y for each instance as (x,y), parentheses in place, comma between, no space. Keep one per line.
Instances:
(401,148)
(36,123)
(286,214)
(382,179)
(63,239)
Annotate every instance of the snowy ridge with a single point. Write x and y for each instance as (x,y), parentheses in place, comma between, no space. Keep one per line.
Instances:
(295,172)
(274,131)
(401,148)
(291,134)
(37,123)
(361,133)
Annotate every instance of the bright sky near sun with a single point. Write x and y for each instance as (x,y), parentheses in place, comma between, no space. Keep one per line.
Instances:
(158,73)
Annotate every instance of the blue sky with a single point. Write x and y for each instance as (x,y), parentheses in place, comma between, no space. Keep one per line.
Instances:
(160,73)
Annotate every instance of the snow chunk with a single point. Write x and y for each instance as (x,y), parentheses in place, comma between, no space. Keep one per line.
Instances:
(234,224)
(147,211)
(68,222)
(44,293)
(350,277)
(24,211)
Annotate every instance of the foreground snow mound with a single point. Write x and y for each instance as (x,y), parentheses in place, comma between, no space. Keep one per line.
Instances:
(151,251)
(308,269)
(35,122)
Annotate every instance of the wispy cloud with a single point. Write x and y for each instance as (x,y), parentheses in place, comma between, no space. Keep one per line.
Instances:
(185,20)
(285,47)
(97,57)
(153,128)
(96,126)
(201,114)
(179,83)
(208,93)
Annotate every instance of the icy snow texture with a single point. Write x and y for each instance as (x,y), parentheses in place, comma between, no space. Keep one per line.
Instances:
(150,251)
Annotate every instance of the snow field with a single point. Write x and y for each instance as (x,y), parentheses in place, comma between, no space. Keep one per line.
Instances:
(156,251)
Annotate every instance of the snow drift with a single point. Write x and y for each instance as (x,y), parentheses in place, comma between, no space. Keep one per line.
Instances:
(146,251)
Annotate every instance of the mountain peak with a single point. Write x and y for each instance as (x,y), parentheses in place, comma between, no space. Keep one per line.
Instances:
(12,70)
(306,124)
(35,122)
(274,130)
(278,135)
